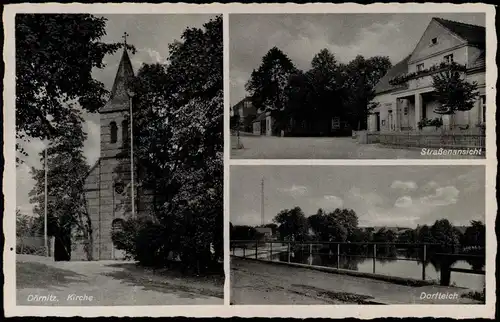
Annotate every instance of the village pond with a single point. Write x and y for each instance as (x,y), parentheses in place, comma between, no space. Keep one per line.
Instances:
(404,262)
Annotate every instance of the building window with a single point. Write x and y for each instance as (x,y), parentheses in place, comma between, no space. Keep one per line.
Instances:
(483,109)
(448,59)
(420,67)
(434,41)
(125,134)
(113,132)
(119,187)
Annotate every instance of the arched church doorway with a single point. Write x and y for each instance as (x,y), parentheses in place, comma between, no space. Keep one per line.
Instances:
(117,227)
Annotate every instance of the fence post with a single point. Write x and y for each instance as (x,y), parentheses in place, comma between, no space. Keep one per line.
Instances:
(289,252)
(424,259)
(256,248)
(271,254)
(374,256)
(338,256)
(244,247)
(311,253)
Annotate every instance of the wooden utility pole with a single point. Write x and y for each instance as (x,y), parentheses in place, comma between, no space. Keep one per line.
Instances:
(262,202)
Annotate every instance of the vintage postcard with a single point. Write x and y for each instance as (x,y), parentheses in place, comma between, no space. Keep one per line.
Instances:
(264,160)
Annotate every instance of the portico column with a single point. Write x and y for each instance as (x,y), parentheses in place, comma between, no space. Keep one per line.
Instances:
(418,109)
(396,116)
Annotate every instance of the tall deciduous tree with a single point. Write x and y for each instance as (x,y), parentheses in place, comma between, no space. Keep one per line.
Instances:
(360,78)
(67,169)
(178,123)
(475,235)
(338,225)
(267,85)
(55,55)
(326,78)
(292,224)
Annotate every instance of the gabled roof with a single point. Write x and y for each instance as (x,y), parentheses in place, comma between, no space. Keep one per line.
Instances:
(472,34)
(119,99)
(398,69)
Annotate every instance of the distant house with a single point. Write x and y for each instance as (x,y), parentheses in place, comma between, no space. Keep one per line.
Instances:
(266,231)
(246,112)
(405,95)
(264,125)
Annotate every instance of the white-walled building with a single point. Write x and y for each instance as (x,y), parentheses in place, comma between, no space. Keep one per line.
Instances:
(401,107)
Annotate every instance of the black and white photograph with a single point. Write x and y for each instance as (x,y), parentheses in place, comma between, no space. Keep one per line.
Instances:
(119,168)
(249,160)
(323,235)
(358,86)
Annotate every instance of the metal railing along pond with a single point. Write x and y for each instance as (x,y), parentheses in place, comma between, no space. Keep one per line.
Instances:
(287,250)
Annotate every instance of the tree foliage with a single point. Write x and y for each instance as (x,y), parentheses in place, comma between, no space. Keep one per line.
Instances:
(55,56)
(178,123)
(339,225)
(267,85)
(312,98)
(453,92)
(67,168)
(292,224)
(361,77)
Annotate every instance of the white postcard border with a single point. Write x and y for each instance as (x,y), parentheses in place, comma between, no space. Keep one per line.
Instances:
(299,311)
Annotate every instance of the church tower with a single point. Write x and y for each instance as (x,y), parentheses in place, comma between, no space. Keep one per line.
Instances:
(107,186)
(115,167)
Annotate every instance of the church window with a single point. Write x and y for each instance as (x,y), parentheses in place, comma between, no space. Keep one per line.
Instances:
(125,130)
(113,132)
(119,188)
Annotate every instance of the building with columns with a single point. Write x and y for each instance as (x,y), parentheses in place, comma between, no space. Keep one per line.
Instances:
(108,184)
(402,106)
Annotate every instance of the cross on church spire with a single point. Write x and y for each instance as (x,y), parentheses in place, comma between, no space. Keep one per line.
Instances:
(125,35)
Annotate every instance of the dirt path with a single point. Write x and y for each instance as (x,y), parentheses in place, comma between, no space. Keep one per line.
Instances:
(254,283)
(101,283)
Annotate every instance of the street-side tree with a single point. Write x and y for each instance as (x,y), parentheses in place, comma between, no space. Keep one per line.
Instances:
(178,126)
(267,86)
(360,77)
(292,224)
(453,91)
(325,100)
(66,204)
(55,56)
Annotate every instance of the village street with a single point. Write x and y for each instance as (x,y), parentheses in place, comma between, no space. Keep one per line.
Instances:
(264,147)
(103,283)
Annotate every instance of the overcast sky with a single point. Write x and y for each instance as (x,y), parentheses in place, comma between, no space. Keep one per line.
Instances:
(301,36)
(401,196)
(151,35)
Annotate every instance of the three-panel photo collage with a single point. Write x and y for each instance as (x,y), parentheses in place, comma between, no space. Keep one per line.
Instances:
(236,160)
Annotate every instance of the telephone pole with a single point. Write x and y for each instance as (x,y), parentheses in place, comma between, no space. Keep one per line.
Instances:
(46,198)
(262,202)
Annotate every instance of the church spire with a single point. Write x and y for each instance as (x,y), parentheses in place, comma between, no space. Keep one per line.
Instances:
(118,99)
